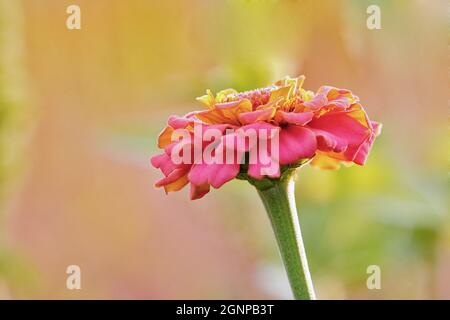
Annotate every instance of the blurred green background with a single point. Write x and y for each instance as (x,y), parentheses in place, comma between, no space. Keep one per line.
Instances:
(80,111)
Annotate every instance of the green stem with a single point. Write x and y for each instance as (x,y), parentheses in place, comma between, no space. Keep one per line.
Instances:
(279,201)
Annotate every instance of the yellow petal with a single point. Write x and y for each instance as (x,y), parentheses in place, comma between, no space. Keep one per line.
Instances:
(281,92)
(307,95)
(231,113)
(224,95)
(207,100)
(245,106)
(296,84)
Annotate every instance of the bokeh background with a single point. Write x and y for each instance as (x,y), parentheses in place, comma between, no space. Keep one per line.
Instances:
(80,111)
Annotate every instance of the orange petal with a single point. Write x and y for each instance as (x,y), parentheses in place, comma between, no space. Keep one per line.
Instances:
(176,185)
(358,113)
(230,110)
(211,116)
(165,137)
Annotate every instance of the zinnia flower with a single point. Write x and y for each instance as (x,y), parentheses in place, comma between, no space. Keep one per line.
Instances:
(294,126)
(326,128)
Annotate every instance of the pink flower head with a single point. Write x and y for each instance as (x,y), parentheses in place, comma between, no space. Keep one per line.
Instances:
(328,128)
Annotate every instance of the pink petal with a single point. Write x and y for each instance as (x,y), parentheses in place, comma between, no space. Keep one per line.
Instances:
(243,135)
(364,150)
(341,102)
(298,118)
(164,163)
(339,132)
(256,170)
(213,174)
(172,177)
(227,105)
(258,115)
(222,173)
(339,98)
(263,160)
(317,102)
(198,174)
(326,141)
(178,122)
(296,143)
(158,160)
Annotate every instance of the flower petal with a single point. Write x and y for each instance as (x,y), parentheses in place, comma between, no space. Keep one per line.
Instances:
(258,115)
(222,173)
(211,116)
(175,181)
(164,163)
(198,192)
(259,170)
(317,102)
(323,161)
(213,174)
(281,92)
(340,132)
(165,137)
(207,100)
(296,143)
(298,118)
(178,122)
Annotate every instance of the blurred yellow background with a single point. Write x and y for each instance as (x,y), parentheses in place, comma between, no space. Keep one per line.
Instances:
(80,111)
